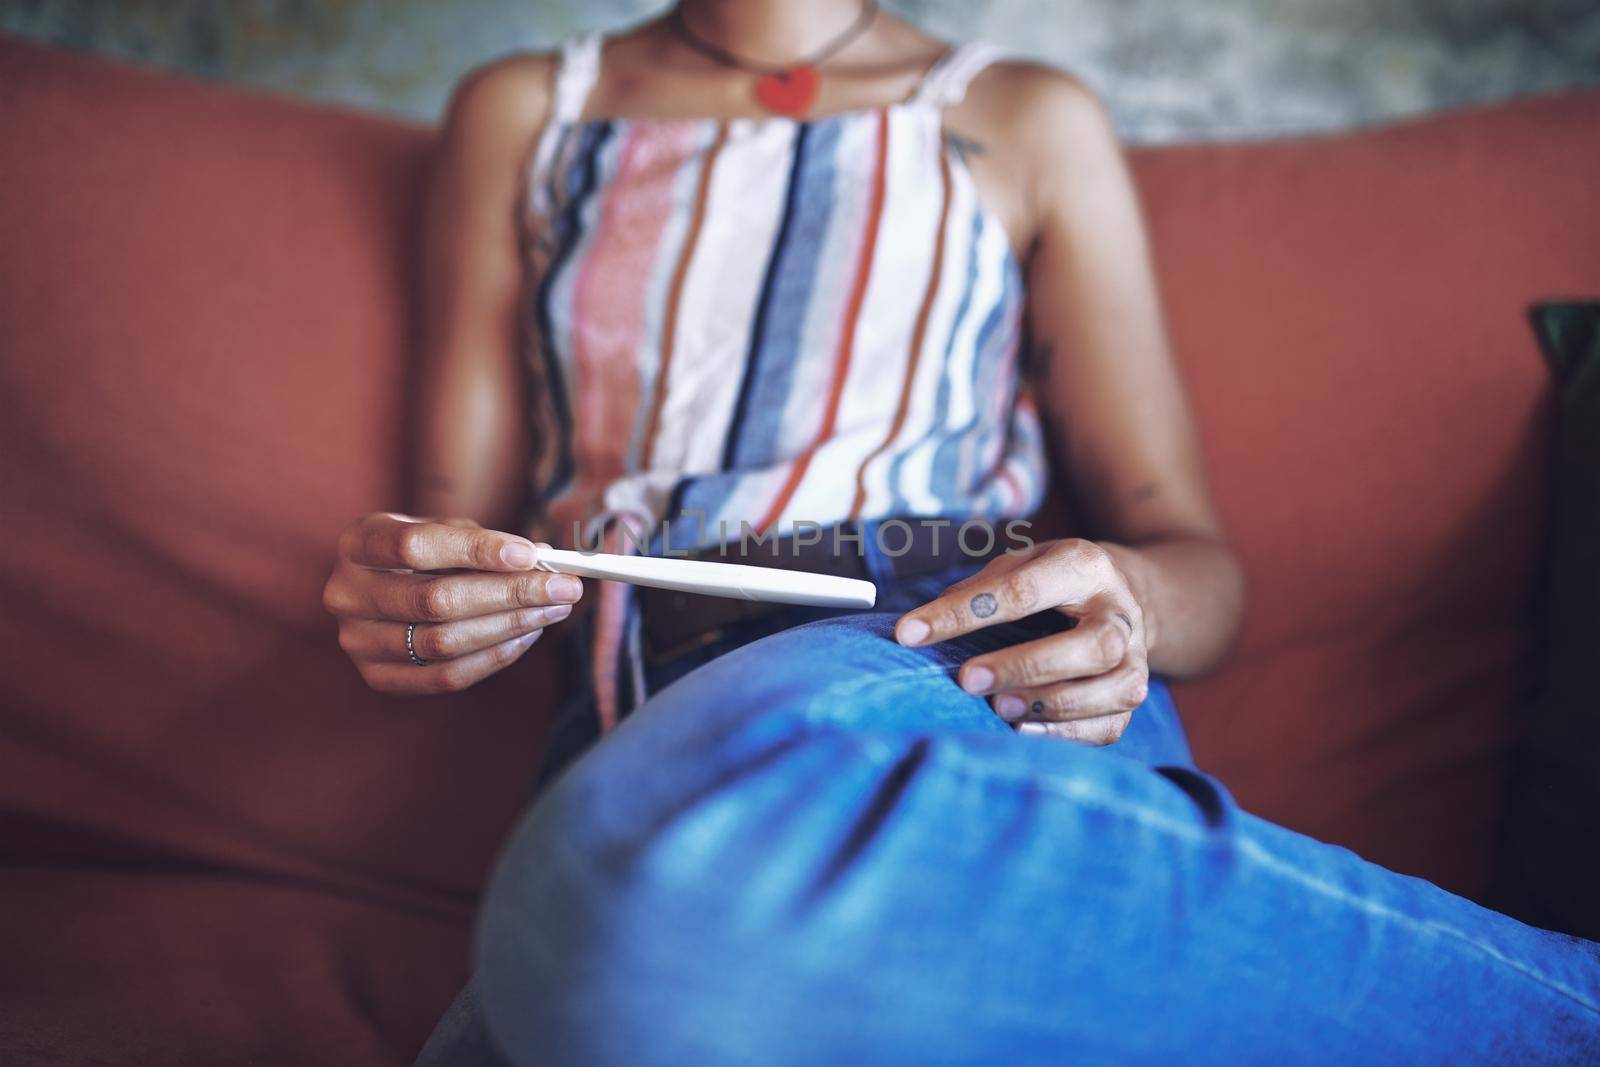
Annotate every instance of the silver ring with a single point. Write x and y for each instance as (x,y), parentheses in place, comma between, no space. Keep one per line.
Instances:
(411,649)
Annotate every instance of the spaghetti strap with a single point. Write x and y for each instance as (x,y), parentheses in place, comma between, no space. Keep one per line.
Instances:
(945,84)
(576,72)
(577,69)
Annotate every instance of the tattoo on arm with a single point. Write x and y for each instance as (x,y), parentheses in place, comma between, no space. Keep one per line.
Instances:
(984,604)
(965,147)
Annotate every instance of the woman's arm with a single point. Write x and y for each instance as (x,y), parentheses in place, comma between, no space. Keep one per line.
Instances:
(436,606)
(1157,586)
(471,440)
(1108,381)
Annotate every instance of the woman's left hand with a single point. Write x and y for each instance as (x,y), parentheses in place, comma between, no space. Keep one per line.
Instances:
(1082,684)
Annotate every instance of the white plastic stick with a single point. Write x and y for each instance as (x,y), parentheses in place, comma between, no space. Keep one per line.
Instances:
(738,580)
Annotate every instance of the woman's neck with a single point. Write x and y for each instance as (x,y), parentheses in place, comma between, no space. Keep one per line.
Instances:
(776,32)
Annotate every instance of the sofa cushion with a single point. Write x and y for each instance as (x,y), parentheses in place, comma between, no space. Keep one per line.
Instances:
(204,315)
(1349,315)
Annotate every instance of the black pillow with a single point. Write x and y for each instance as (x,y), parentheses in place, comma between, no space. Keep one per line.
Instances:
(1550,858)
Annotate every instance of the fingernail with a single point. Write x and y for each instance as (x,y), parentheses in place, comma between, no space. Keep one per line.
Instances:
(1010,707)
(557,613)
(529,638)
(1033,729)
(564,587)
(912,631)
(516,554)
(977,680)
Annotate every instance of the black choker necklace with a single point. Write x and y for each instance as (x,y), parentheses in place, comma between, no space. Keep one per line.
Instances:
(787,90)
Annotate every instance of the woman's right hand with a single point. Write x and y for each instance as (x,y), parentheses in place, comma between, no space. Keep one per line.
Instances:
(478,616)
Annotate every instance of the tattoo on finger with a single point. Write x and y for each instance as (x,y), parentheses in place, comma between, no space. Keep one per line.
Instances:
(1037,709)
(984,605)
(1126,622)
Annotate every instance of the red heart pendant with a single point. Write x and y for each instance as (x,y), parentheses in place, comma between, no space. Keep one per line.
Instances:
(789,92)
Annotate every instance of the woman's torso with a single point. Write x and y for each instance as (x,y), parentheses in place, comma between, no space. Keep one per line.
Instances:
(772,321)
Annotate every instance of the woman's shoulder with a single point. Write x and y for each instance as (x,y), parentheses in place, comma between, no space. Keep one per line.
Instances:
(1041,129)
(509,97)
(1035,94)
(1044,115)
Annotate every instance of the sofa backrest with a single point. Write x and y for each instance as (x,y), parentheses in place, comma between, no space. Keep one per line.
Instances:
(205,310)
(1350,315)
(205,314)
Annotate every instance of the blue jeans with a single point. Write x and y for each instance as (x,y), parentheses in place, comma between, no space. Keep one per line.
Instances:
(817,849)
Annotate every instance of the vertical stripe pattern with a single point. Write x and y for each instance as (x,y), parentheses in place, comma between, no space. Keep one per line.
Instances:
(669,327)
(847,340)
(914,356)
(771,321)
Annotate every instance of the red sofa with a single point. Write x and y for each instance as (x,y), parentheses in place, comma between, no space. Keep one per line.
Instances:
(218,847)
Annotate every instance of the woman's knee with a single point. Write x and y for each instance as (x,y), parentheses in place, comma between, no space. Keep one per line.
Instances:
(631,920)
(680,896)
(846,672)
(677,867)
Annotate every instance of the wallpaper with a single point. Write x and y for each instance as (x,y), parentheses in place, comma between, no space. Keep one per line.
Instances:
(1200,69)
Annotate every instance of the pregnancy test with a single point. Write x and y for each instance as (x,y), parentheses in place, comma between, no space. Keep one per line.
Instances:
(738,580)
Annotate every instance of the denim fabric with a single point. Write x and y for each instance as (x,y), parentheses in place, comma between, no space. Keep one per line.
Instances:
(577,725)
(817,849)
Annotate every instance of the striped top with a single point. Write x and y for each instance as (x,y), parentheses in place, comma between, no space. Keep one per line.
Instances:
(772,320)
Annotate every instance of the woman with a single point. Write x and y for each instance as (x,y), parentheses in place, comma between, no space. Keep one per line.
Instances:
(767,264)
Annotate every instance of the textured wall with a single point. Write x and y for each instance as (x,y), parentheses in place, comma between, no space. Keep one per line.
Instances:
(1171,70)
